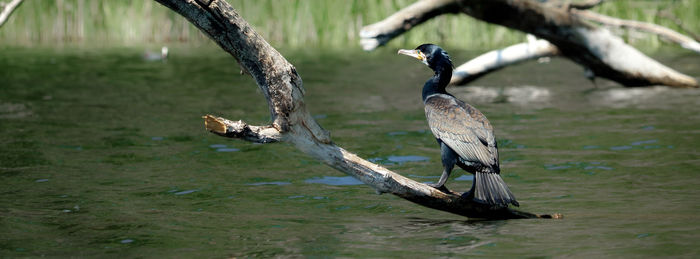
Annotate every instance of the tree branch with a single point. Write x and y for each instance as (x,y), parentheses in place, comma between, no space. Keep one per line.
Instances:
(585,4)
(497,59)
(671,35)
(667,14)
(292,123)
(240,129)
(7,9)
(606,55)
(378,34)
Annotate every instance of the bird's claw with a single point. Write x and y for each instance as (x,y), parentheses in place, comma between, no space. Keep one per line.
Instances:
(439,187)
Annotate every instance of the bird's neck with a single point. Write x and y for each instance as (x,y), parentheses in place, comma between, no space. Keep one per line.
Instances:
(437,83)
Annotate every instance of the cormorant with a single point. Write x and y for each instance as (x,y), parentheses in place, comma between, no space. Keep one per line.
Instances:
(464,134)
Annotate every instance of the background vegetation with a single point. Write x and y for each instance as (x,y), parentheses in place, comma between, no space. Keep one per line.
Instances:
(289,23)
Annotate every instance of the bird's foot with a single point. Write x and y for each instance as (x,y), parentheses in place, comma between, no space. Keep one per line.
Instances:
(468,194)
(439,187)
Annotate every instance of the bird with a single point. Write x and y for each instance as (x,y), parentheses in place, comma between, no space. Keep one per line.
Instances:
(464,134)
(153,56)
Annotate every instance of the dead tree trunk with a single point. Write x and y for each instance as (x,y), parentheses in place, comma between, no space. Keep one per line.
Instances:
(291,122)
(605,54)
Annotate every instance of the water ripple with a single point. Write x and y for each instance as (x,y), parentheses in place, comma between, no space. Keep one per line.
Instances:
(269,183)
(335,180)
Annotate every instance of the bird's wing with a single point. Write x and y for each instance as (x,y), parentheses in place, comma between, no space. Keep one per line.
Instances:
(463,128)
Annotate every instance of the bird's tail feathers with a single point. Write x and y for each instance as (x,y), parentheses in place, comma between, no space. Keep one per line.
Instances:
(490,188)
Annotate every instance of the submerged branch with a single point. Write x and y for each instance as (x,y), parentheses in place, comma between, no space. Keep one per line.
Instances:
(292,123)
(7,9)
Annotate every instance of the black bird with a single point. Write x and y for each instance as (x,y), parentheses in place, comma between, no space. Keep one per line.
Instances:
(463,132)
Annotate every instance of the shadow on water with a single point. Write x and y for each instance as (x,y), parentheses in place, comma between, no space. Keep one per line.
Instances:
(446,237)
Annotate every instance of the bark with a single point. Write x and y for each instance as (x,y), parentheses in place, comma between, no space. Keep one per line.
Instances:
(605,54)
(291,122)
(7,9)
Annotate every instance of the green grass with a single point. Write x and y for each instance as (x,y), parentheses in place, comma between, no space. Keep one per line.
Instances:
(289,23)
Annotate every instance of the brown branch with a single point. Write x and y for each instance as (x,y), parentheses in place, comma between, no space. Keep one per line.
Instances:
(240,129)
(292,123)
(606,55)
(7,9)
(671,35)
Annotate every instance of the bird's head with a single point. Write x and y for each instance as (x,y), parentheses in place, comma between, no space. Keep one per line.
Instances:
(431,55)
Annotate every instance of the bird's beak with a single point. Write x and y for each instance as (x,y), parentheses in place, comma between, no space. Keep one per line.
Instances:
(414,53)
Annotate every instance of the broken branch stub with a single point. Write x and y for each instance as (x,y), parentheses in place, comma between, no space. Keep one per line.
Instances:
(292,123)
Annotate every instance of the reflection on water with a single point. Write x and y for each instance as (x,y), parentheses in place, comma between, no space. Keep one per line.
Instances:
(578,166)
(186,192)
(269,183)
(644,97)
(637,143)
(223,148)
(622,97)
(448,237)
(520,95)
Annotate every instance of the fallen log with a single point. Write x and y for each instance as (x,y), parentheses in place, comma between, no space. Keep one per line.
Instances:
(596,49)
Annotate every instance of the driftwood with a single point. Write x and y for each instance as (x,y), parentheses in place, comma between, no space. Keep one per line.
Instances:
(7,9)
(291,122)
(497,59)
(598,50)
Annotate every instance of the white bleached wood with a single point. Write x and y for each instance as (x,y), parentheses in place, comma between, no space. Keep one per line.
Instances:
(7,10)
(497,59)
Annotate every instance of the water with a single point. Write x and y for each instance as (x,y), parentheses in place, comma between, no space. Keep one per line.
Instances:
(105,155)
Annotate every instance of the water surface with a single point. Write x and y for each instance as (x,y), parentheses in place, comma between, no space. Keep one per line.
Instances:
(104,155)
